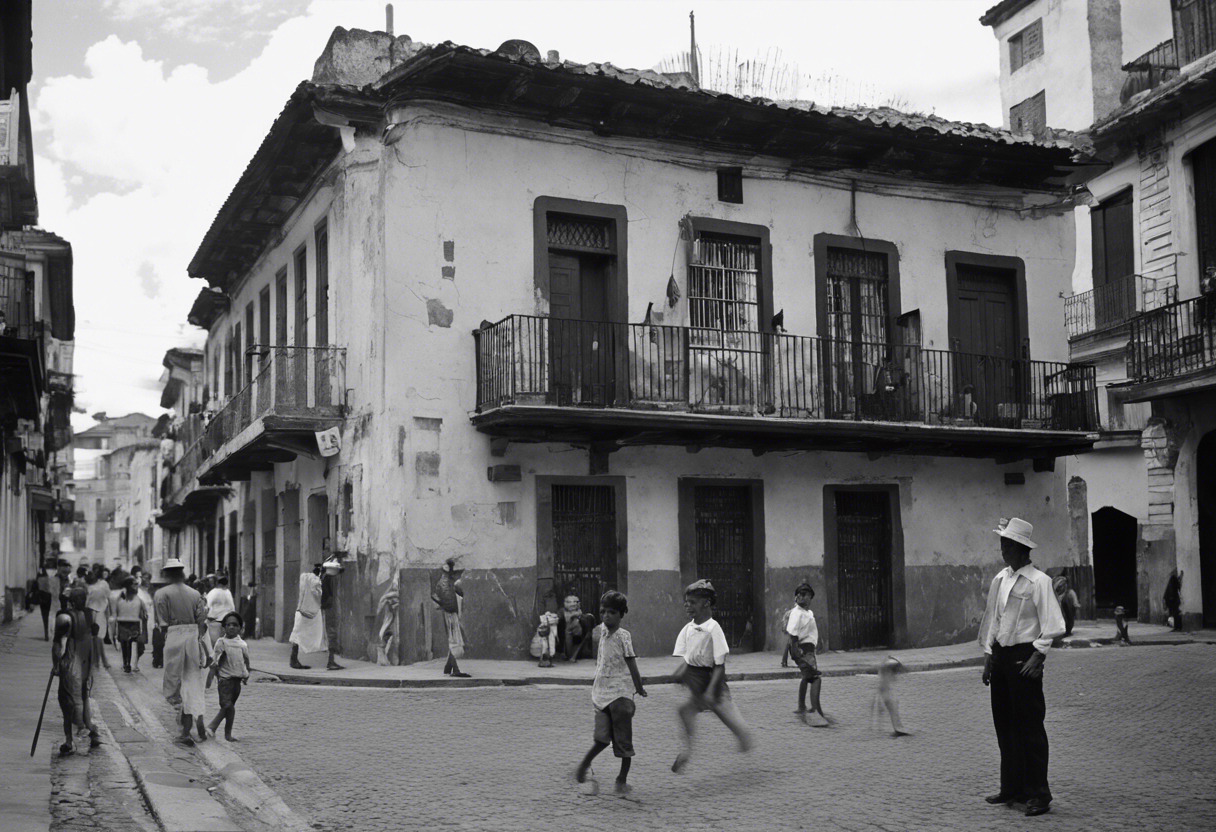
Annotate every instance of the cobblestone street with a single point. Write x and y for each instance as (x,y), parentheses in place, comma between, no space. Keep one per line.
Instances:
(1133,737)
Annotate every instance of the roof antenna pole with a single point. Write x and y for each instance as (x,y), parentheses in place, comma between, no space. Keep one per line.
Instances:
(388,18)
(692,48)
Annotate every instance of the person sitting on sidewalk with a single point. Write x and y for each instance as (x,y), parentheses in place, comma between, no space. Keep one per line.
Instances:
(574,629)
(72,660)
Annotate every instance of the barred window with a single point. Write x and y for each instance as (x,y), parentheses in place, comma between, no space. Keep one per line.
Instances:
(723,276)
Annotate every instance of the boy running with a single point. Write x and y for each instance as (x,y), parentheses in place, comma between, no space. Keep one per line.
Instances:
(803,638)
(232,666)
(702,646)
(616,682)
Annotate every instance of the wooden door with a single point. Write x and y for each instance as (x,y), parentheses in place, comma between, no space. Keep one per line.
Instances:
(722,518)
(863,558)
(1114,260)
(270,563)
(289,511)
(1203,168)
(985,348)
(581,339)
(584,542)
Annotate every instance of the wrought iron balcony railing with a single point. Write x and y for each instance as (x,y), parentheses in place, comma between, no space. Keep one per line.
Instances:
(1174,340)
(1114,303)
(301,382)
(533,360)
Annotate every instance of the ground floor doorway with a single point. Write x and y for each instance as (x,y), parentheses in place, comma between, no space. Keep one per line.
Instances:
(1205,487)
(722,541)
(1115,535)
(581,541)
(289,514)
(863,565)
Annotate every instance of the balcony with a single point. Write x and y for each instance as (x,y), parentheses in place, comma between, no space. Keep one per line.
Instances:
(1113,304)
(295,392)
(22,371)
(1172,350)
(608,385)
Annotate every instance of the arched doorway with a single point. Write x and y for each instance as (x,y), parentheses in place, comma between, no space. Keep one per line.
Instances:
(1115,537)
(1205,487)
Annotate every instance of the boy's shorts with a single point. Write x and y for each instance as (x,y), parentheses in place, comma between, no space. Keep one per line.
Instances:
(808,664)
(229,689)
(696,679)
(614,725)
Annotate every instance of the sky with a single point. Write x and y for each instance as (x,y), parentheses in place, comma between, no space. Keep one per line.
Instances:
(145,113)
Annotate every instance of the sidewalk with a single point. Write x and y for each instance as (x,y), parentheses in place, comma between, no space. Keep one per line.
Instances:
(25,666)
(271,657)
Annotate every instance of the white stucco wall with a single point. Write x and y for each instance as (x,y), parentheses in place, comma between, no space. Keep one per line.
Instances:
(1063,70)
(477,190)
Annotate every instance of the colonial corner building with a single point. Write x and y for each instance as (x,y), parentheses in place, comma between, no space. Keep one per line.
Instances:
(586,328)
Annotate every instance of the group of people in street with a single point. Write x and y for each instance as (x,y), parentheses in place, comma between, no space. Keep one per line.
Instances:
(98,606)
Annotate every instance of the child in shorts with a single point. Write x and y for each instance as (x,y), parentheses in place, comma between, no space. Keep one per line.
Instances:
(616,682)
(803,639)
(231,665)
(702,646)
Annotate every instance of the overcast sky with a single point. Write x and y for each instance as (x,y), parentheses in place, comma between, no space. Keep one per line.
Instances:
(147,111)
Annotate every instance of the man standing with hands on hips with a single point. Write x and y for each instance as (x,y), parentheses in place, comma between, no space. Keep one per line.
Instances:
(1022,619)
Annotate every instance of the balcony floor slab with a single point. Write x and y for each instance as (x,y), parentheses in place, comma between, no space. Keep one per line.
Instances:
(578,426)
(268,440)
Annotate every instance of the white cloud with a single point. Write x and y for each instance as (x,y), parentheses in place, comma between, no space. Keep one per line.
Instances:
(210,21)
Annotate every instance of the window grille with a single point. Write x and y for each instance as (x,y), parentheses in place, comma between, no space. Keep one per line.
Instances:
(723,276)
(857,319)
(587,233)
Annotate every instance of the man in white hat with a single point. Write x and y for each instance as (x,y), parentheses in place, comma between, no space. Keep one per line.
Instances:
(1022,619)
(182,613)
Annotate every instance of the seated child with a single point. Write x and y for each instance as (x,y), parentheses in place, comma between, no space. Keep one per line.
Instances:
(702,646)
(616,682)
(547,631)
(803,639)
(232,666)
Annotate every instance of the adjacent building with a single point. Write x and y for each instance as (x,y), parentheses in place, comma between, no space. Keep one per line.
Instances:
(1137,311)
(582,328)
(37,327)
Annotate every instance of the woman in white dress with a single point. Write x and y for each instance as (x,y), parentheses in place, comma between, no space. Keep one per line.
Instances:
(308,633)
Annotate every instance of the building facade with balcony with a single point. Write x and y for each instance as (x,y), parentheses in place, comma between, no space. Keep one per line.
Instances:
(1161,145)
(602,329)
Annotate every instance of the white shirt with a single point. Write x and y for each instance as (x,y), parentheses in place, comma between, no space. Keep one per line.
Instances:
(612,677)
(1024,610)
(702,645)
(802,624)
(219,603)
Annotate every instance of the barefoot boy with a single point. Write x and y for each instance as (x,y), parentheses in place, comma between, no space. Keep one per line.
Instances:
(232,666)
(803,639)
(616,682)
(702,646)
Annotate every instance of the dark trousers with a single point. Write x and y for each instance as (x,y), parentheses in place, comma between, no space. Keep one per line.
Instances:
(158,647)
(1018,709)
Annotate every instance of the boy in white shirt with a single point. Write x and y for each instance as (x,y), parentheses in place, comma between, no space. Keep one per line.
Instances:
(702,646)
(804,638)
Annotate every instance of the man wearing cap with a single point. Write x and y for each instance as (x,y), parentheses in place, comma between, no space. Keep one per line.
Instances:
(1022,619)
(182,612)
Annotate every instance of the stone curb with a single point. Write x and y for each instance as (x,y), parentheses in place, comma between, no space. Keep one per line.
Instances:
(526,681)
(754,676)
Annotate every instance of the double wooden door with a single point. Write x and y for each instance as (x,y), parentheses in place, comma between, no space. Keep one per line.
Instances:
(986,372)
(582,342)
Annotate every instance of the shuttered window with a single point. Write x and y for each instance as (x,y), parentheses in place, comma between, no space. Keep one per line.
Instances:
(1026,45)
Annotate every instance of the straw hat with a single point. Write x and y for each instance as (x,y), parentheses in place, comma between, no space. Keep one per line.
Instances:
(172,563)
(1018,530)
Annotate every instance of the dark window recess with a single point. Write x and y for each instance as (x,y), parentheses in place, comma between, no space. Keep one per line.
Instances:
(1114,260)
(579,233)
(1026,45)
(1203,168)
(1030,116)
(730,185)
